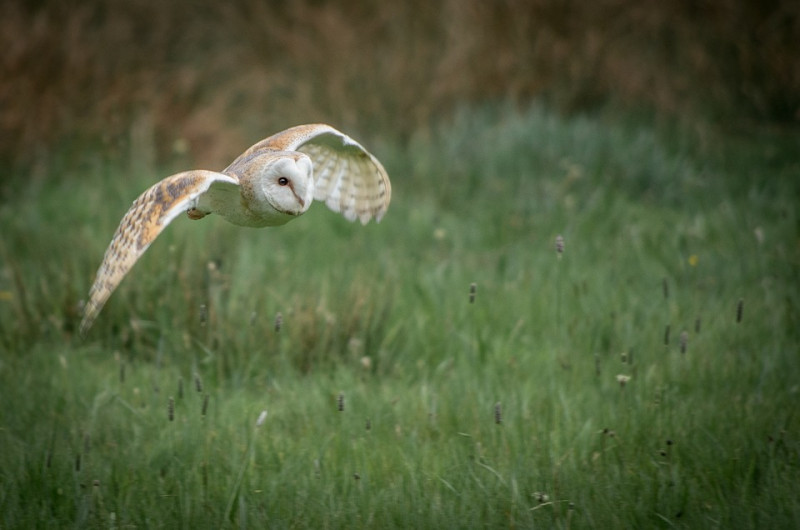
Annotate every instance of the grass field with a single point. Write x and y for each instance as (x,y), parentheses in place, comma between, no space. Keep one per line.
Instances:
(647,376)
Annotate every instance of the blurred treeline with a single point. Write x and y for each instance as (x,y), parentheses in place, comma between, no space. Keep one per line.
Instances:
(207,77)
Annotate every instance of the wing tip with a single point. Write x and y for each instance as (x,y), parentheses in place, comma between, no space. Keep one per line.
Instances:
(363,216)
(86,323)
(91,309)
(367,215)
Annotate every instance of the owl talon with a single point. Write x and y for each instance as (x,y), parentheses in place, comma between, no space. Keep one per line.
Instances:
(195,214)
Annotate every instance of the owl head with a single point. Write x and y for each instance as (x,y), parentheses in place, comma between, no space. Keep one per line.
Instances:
(284,187)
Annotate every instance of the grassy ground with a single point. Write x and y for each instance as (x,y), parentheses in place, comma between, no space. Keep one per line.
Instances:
(394,401)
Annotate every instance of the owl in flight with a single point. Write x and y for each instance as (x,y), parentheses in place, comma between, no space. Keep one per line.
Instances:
(270,184)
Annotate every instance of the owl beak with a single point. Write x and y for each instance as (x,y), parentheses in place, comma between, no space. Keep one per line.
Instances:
(305,195)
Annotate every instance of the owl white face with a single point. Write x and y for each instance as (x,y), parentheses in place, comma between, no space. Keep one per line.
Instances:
(288,184)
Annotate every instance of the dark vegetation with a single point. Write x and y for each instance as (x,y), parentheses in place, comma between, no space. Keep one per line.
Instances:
(203,78)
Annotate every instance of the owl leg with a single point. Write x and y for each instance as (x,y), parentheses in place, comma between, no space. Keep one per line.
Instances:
(195,214)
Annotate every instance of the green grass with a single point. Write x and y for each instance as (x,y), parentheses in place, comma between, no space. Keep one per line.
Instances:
(380,315)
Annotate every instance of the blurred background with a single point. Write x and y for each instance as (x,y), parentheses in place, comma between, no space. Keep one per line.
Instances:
(198,80)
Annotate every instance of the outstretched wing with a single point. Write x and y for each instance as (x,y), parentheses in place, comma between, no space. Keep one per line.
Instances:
(347,177)
(149,214)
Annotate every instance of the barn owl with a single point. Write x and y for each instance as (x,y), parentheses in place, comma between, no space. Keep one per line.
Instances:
(270,184)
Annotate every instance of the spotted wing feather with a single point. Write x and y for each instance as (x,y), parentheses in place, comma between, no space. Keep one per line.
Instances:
(149,214)
(347,177)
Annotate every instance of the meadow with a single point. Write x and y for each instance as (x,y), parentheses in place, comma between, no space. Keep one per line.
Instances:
(448,367)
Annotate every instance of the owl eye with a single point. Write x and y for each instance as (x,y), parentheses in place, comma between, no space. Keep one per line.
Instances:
(283,181)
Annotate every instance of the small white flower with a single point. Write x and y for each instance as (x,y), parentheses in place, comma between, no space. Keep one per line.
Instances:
(560,244)
(261,418)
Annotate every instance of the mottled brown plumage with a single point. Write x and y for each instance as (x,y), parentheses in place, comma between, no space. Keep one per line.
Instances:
(271,183)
